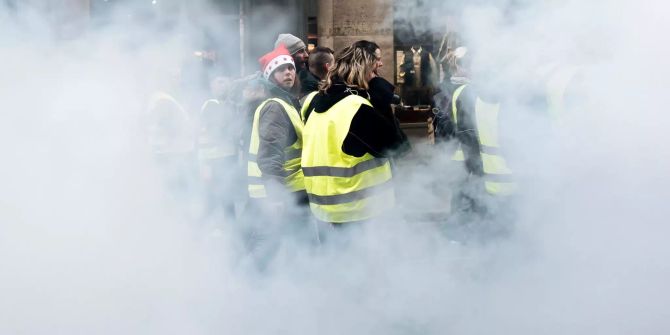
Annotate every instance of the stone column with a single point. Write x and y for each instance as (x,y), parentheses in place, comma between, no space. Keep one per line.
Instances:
(342,22)
(324,22)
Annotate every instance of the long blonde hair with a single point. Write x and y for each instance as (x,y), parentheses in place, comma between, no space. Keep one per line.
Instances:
(352,65)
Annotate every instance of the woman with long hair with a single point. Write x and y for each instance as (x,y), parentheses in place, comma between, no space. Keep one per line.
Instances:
(349,136)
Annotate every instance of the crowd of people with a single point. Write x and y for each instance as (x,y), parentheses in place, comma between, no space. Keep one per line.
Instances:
(310,143)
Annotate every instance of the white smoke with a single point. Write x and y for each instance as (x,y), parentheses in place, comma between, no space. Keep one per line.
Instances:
(91,243)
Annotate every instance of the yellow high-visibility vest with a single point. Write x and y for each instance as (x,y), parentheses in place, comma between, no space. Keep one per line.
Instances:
(294,179)
(497,175)
(342,188)
(305,104)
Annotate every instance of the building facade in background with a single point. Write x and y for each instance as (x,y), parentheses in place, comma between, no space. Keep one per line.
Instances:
(229,35)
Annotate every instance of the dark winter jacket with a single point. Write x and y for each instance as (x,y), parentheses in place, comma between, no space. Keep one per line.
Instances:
(373,130)
(308,82)
(276,132)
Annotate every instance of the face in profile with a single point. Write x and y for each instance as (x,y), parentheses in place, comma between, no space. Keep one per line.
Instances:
(374,71)
(301,56)
(284,76)
(378,61)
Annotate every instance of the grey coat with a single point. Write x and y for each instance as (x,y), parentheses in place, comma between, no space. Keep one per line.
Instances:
(276,133)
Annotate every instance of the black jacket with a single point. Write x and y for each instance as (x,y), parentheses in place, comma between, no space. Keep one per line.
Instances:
(373,130)
(308,81)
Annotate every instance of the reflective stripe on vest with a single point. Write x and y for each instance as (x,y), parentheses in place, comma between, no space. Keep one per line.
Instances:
(305,105)
(497,175)
(294,179)
(342,188)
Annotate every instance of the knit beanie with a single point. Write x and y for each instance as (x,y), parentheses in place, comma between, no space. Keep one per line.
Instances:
(292,43)
(274,59)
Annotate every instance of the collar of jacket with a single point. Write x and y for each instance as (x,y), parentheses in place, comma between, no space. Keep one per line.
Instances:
(336,92)
(278,92)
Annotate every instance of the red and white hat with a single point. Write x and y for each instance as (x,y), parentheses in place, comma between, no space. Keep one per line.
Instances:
(274,59)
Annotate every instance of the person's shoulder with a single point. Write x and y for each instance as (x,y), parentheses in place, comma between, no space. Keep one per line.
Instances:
(380,81)
(275,108)
(366,111)
(273,104)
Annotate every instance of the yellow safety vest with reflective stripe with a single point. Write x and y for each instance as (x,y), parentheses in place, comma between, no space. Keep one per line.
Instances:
(294,179)
(305,104)
(497,175)
(341,187)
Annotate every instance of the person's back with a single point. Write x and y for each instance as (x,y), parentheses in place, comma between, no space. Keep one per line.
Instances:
(347,142)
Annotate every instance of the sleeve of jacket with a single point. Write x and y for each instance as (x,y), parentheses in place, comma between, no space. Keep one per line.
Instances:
(276,133)
(466,133)
(442,124)
(381,95)
(370,133)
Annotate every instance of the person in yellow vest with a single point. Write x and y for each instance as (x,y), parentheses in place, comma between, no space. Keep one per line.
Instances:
(472,122)
(276,210)
(219,135)
(273,168)
(171,136)
(350,134)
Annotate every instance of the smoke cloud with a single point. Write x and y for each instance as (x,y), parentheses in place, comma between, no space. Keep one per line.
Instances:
(93,241)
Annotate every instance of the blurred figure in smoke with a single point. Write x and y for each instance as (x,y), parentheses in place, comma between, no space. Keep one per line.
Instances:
(455,69)
(349,137)
(218,147)
(472,121)
(307,82)
(562,88)
(171,135)
(276,185)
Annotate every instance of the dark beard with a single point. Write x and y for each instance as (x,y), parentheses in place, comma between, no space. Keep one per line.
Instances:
(299,65)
